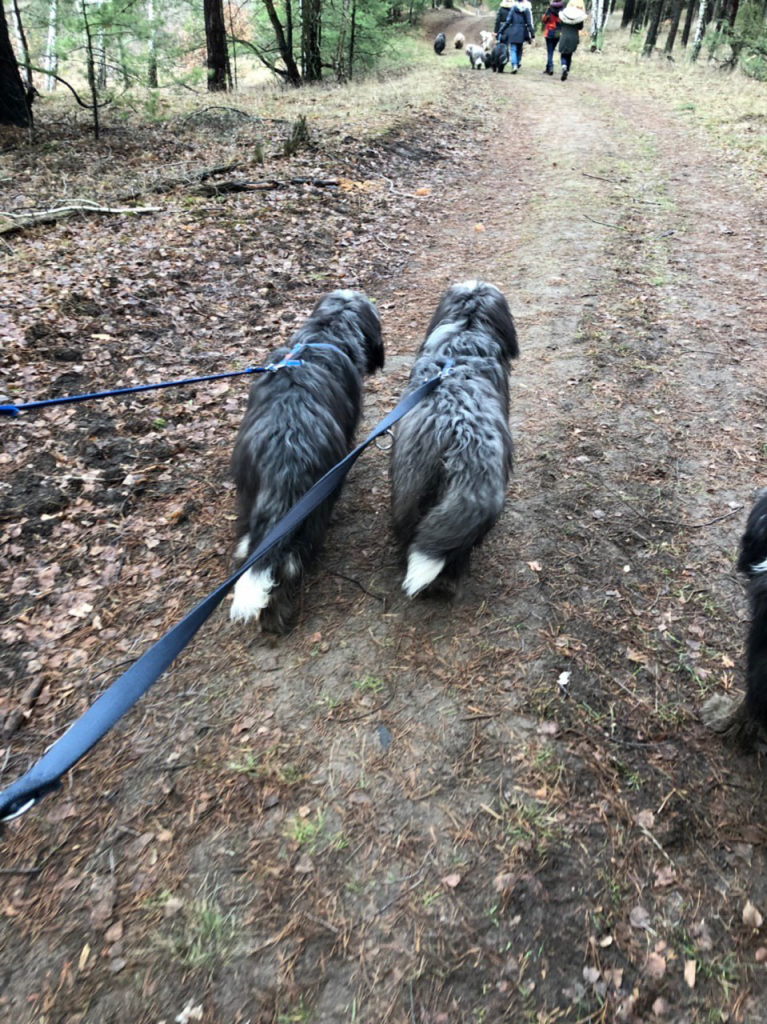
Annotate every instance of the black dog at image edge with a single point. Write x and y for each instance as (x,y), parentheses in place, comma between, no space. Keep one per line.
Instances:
(745,721)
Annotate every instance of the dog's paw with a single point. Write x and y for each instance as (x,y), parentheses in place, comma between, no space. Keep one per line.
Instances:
(251,595)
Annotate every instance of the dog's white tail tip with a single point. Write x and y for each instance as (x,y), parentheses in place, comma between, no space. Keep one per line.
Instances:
(251,595)
(421,571)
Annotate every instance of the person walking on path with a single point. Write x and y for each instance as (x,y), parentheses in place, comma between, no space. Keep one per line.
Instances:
(514,26)
(551,27)
(571,20)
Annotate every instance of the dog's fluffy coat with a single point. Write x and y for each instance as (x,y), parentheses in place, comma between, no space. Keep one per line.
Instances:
(498,57)
(476,56)
(452,454)
(300,421)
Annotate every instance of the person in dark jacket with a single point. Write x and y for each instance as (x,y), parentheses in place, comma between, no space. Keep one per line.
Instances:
(514,27)
(551,28)
(571,20)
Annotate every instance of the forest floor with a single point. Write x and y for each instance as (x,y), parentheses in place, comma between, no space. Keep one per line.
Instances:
(505,808)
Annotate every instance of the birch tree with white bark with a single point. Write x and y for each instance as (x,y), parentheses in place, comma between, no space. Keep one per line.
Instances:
(600,12)
(700,29)
(50,57)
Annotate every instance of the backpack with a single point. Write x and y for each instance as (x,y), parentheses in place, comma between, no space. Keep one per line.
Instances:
(551,25)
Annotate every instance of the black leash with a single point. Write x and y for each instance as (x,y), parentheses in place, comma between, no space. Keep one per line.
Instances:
(85,732)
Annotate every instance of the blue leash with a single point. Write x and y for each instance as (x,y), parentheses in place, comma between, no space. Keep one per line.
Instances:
(290,359)
(86,731)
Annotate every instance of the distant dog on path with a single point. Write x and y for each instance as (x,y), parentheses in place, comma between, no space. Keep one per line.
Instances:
(746,719)
(452,453)
(299,423)
(458,40)
(476,56)
(498,57)
(440,43)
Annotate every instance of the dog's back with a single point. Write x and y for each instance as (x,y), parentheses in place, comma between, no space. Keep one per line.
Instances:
(300,422)
(452,454)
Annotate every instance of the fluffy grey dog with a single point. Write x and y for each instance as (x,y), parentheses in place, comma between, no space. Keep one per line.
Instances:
(299,423)
(476,56)
(452,454)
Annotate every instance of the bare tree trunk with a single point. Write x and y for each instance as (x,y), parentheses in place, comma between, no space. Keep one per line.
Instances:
(14,108)
(215,38)
(652,32)
(688,22)
(339,62)
(90,63)
(234,50)
(28,83)
(700,29)
(284,39)
(152,79)
(638,21)
(628,13)
(352,38)
(51,61)
(310,40)
(676,13)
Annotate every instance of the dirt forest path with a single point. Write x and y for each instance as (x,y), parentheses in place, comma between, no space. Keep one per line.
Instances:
(505,808)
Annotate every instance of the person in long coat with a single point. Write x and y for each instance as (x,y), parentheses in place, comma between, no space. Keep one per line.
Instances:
(571,21)
(514,26)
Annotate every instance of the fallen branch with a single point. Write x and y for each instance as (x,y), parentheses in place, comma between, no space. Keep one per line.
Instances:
(230,110)
(180,181)
(19,713)
(21,221)
(224,187)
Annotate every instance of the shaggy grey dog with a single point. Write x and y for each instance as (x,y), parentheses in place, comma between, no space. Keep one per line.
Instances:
(300,421)
(476,56)
(440,43)
(452,454)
